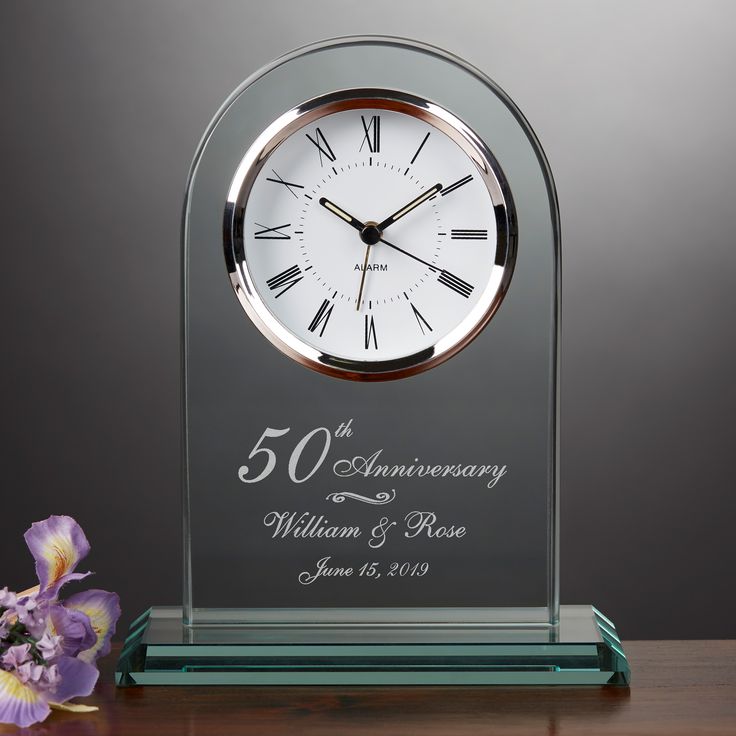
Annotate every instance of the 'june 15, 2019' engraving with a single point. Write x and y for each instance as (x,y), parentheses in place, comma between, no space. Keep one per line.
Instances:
(421,524)
(370,570)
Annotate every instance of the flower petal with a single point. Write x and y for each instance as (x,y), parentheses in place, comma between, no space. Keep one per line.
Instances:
(33,613)
(7,598)
(74,627)
(57,544)
(103,609)
(74,707)
(15,656)
(77,679)
(19,703)
(29,592)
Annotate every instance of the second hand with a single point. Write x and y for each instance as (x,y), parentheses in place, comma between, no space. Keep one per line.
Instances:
(411,255)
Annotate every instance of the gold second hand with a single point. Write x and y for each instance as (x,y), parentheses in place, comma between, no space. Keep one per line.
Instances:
(362,277)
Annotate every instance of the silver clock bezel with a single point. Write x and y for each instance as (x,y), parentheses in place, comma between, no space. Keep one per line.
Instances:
(489,171)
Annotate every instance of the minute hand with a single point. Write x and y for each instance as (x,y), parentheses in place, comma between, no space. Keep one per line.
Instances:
(409,207)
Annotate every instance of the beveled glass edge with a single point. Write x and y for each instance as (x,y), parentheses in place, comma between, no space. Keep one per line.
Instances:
(516,617)
(578,624)
(553,607)
(159,650)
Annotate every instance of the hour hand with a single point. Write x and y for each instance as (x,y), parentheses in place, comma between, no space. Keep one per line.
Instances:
(332,207)
(409,207)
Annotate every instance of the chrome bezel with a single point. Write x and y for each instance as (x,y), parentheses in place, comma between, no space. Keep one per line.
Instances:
(273,329)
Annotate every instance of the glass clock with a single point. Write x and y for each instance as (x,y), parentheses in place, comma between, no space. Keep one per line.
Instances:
(369,234)
(385,209)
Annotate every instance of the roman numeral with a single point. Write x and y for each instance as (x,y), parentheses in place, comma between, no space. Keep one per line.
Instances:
(461,234)
(271,233)
(370,332)
(285,279)
(420,319)
(322,146)
(455,283)
(371,133)
(421,145)
(287,184)
(321,318)
(456,185)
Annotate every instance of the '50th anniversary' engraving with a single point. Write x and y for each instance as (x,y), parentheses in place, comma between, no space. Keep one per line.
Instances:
(422,524)
(369,466)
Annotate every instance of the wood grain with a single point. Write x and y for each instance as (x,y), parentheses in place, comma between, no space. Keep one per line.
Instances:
(678,687)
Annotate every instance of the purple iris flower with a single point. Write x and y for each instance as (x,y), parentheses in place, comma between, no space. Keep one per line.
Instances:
(49,647)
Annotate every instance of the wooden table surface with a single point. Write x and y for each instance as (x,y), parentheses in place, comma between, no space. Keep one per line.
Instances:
(678,687)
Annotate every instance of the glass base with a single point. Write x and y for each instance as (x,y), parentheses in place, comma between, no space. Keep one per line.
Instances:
(584,649)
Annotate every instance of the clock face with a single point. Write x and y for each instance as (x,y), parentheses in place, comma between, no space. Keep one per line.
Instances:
(369,236)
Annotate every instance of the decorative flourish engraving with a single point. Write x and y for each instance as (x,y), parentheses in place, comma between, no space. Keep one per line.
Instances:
(380,499)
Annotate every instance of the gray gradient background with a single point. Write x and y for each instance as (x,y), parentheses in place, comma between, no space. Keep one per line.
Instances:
(101,107)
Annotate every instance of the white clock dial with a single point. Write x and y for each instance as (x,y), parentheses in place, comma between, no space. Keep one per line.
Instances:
(368,238)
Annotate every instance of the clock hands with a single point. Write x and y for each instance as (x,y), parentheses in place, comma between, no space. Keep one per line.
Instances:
(409,207)
(362,277)
(369,234)
(411,255)
(375,230)
(372,233)
(381,226)
(332,207)
(445,277)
